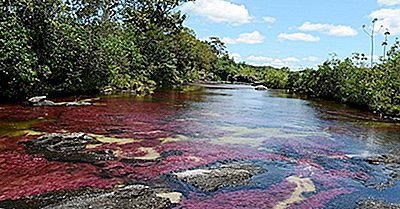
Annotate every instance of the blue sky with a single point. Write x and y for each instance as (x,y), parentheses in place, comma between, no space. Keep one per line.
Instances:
(293,33)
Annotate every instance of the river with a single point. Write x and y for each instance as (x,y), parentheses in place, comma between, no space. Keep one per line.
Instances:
(309,153)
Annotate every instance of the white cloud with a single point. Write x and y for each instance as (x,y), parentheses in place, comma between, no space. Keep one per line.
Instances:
(291,59)
(298,37)
(389,18)
(219,11)
(245,38)
(311,59)
(389,2)
(235,56)
(329,29)
(259,58)
(269,20)
(274,62)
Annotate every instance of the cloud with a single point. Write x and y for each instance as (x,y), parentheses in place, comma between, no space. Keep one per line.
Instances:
(389,2)
(235,56)
(298,37)
(269,20)
(311,59)
(389,18)
(259,58)
(329,29)
(291,59)
(274,62)
(219,11)
(245,38)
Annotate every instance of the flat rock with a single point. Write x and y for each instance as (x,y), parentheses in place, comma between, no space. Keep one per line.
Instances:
(37,99)
(212,179)
(260,88)
(384,159)
(376,204)
(68,147)
(129,197)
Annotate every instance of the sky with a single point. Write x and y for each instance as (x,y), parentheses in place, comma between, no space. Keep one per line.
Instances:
(293,33)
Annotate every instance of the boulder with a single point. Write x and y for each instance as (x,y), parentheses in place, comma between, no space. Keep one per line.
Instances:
(226,175)
(376,204)
(260,88)
(41,101)
(134,196)
(37,99)
(384,159)
(68,147)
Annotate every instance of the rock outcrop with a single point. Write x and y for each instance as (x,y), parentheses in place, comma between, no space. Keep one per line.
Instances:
(68,147)
(212,179)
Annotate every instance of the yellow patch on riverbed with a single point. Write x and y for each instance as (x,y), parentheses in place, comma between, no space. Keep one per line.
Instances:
(151,154)
(303,185)
(176,138)
(20,128)
(194,158)
(77,103)
(110,140)
(174,197)
(255,137)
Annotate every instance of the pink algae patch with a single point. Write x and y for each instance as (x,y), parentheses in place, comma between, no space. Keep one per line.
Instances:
(23,175)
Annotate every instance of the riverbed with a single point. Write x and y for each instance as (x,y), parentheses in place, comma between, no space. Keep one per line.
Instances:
(200,146)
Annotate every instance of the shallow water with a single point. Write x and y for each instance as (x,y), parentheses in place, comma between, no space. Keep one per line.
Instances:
(314,152)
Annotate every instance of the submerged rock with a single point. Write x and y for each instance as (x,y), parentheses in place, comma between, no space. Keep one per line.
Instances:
(376,204)
(384,159)
(391,165)
(134,196)
(69,147)
(212,179)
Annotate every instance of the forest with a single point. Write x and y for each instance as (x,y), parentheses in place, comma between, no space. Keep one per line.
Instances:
(70,47)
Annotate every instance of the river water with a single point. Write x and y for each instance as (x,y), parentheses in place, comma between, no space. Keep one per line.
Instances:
(315,154)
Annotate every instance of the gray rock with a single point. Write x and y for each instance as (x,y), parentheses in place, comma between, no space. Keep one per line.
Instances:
(41,101)
(391,164)
(260,88)
(37,99)
(68,147)
(134,196)
(376,204)
(212,179)
(384,159)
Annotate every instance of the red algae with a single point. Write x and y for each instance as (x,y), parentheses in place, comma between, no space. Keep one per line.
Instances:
(23,175)
(245,199)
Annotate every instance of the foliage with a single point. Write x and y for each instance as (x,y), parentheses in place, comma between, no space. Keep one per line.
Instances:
(349,81)
(81,46)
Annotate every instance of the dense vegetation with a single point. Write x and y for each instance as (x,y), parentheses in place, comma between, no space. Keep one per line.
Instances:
(348,81)
(81,46)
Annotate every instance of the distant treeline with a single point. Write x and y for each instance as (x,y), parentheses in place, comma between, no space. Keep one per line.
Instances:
(348,81)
